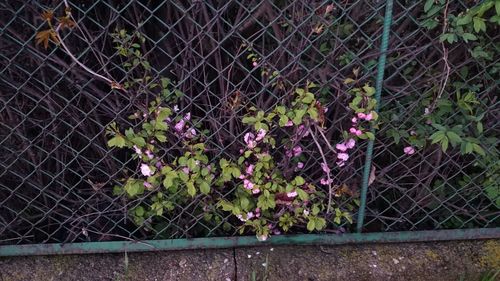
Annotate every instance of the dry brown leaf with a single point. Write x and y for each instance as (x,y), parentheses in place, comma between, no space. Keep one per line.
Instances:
(47,15)
(66,22)
(43,37)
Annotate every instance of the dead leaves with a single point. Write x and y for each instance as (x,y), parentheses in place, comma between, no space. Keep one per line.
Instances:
(47,15)
(66,22)
(43,37)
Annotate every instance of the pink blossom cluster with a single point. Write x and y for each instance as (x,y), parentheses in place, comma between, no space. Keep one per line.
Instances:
(409,150)
(182,128)
(247,183)
(251,140)
(249,215)
(342,151)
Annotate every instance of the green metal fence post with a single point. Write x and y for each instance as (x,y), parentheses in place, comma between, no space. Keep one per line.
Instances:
(380,79)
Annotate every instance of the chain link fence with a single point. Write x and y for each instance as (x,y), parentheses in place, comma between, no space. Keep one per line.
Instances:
(57,172)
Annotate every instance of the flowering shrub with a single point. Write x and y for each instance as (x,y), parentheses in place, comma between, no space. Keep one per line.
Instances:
(270,195)
(289,150)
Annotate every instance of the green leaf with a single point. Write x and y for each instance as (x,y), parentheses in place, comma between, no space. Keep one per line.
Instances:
(308,99)
(311,225)
(190,188)
(428,5)
(479,127)
(281,109)
(139,141)
(302,194)
(464,20)
(369,91)
(348,81)
(298,116)
(320,223)
(160,137)
(204,187)
(168,181)
(117,141)
(454,138)
(235,172)
(313,112)
(299,180)
(437,137)
(283,120)
(478,149)
(469,37)
(139,211)
(497,7)
(444,144)
(479,24)
(245,203)
(134,187)
(370,135)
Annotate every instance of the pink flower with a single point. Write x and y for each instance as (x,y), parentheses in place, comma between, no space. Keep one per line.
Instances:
(289,123)
(191,133)
(176,108)
(158,165)
(180,125)
(252,144)
(361,115)
(352,130)
(343,156)
(145,170)
(302,131)
(341,163)
(292,194)
(137,150)
(260,135)
(325,168)
(255,64)
(240,217)
(325,181)
(242,177)
(147,185)
(306,212)
(250,215)
(257,212)
(354,120)
(256,191)
(249,169)
(187,117)
(247,184)
(300,165)
(248,137)
(341,146)
(350,143)
(297,150)
(185,170)
(369,116)
(358,133)
(276,231)
(149,154)
(409,150)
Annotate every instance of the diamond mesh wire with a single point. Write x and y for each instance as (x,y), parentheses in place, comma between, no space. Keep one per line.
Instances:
(57,173)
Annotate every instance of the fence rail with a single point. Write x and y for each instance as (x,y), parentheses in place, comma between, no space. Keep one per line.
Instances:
(75,75)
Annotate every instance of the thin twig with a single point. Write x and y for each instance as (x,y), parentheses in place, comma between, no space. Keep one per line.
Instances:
(111,82)
(446,67)
(327,174)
